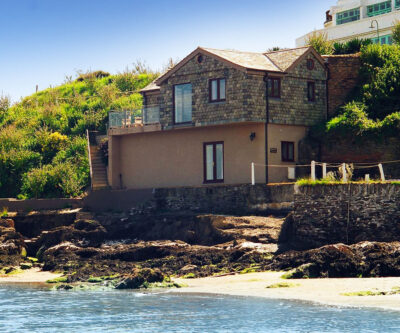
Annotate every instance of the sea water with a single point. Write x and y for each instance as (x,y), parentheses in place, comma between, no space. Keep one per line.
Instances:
(28,309)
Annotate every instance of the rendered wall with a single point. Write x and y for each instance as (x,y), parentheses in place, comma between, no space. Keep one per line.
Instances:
(175,158)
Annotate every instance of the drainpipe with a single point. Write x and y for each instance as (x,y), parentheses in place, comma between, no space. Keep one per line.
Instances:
(328,76)
(266,126)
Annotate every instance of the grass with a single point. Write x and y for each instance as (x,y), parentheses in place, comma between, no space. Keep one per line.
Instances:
(282,285)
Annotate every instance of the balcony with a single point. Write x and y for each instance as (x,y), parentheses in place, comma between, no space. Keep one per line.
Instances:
(134,118)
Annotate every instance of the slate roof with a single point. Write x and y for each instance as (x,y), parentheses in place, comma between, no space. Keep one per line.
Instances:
(284,59)
(275,61)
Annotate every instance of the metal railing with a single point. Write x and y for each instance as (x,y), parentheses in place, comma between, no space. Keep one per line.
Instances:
(130,118)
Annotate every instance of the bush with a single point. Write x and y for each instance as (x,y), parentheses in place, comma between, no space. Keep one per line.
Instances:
(352,46)
(396,32)
(50,181)
(319,41)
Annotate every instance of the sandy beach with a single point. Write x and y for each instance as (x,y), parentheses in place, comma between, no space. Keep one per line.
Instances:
(326,291)
(33,275)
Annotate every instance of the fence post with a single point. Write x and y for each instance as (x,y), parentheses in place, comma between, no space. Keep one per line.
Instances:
(253,177)
(312,170)
(344,172)
(381,171)
(367,178)
(324,170)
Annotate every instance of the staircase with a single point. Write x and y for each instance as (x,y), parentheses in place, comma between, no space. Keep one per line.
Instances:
(98,169)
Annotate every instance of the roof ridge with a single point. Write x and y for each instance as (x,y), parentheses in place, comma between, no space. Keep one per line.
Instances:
(291,49)
(228,50)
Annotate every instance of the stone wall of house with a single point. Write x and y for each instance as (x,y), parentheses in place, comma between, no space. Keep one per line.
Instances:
(330,214)
(203,112)
(245,95)
(151,98)
(293,108)
(222,199)
(343,71)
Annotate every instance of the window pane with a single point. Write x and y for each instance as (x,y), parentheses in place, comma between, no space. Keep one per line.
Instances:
(187,103)
(270,83)
(220,161)
(178,104)
(183,103)
(276,88)
(222,89)
(209,162)
(214,90)
(291,151)
(284,151)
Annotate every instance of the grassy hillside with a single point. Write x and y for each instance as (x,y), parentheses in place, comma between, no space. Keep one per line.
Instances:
(42,138)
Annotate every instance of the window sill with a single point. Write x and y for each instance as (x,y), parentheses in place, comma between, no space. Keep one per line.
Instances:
(185,124)
(207,182)
(278,99)
(217,102)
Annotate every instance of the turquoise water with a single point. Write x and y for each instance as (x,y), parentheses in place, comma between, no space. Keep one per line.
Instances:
(25,309)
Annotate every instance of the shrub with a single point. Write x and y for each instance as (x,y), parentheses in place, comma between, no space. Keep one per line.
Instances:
(396,32)
(319,41)
(352,46)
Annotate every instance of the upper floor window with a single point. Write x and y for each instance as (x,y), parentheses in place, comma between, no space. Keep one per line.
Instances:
(387,39)
(183,103)
(287,150)
(311,91)
(217,90)
(348,16)
(379,8)
(274,87)
(310,64)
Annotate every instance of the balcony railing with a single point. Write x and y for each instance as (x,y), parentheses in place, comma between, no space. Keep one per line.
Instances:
(130,118)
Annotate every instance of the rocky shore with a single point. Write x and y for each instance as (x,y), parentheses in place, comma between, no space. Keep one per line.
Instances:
(138,250)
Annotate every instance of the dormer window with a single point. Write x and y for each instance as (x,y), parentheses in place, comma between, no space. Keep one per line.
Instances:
(274,87)
(217,90)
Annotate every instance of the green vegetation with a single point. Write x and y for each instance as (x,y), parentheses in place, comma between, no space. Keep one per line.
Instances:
(373,110)
(43,149)
(61,279)
(394,291)
(396,32)
(320,43)
(281,285)
(189,276)
(4,212)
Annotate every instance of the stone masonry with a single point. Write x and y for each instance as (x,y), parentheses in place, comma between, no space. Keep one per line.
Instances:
(245,95)
(343,71)
(345,213)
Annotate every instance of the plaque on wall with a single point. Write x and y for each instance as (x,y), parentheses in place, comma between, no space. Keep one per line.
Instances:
(273,150)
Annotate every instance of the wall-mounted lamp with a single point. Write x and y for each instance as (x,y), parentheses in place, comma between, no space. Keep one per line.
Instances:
(252,136)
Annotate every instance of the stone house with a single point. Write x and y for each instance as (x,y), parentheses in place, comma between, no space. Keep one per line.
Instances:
(209,117)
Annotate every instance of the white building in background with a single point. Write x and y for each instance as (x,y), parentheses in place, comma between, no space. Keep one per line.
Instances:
(373,19)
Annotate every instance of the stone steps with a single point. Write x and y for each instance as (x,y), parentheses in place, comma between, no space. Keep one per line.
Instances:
(99,170)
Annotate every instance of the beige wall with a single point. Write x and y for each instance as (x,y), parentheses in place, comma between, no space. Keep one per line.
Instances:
(175,158)
(277,134)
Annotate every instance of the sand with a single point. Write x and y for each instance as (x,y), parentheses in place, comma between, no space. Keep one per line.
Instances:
(325,291)
(33,275)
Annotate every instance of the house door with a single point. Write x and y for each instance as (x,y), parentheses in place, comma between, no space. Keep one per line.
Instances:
(213,162)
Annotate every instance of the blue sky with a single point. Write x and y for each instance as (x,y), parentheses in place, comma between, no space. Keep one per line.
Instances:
(42,41)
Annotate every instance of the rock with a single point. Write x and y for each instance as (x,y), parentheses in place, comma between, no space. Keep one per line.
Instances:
(365,259)
(188,269)
(7,223)
(64,287)
(26,265)
(139,277)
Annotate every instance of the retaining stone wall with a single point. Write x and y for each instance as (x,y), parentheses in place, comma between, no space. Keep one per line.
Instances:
(321,214)
(225,199)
